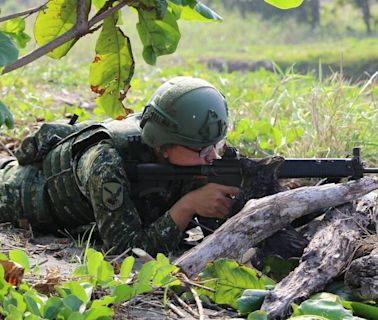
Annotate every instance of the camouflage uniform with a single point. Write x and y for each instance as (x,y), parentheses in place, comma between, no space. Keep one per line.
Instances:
(83,179)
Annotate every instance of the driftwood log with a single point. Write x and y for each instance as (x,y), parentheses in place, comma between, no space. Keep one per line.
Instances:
(260,218)
(327,256)
(362,276)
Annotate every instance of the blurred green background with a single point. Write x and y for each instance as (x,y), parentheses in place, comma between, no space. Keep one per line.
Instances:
(299,83)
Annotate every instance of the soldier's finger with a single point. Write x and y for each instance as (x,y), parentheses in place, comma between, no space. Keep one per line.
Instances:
(229,190)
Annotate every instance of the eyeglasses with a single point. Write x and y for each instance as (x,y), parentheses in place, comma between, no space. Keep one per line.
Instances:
(204,152)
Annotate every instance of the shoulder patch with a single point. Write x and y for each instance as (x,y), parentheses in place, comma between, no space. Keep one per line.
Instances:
(112,195)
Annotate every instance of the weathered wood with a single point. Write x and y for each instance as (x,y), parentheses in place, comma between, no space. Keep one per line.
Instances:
(362,276)
(328,254)
(260,218)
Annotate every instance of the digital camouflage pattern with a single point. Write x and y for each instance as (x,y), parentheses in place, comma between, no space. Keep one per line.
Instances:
(69,189)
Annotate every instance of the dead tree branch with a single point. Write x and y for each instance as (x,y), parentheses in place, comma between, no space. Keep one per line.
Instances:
(260,218)
(23,13)
(81,28)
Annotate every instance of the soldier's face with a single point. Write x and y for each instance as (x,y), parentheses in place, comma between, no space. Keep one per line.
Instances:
(183,156)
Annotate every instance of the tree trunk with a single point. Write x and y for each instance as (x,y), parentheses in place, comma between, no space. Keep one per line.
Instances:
(260,218)
(365,8)
(315,13)
(327,256)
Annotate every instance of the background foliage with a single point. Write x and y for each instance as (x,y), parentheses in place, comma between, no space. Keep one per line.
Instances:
(296,90)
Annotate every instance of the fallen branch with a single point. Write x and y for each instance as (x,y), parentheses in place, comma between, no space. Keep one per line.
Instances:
(327,256)
(261,218)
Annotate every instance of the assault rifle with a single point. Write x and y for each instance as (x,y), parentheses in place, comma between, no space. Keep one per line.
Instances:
(228,170)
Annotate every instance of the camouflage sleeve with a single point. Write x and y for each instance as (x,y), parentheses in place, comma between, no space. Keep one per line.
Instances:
(104,182)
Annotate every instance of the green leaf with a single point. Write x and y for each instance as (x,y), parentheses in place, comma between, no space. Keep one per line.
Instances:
(52,307)
(164,271)
(328,309)
(14,313)
(8,50)
(3,257)
(98,4)
(251,300)
(72,302)
(194,11)
(33,303)
(122,293)
(98,313)
(19,256)
(57,19)
(126,267)
(362,309)
(82,290)
(308,317)
(104,301)
(258,315)
(285,4)
(75,316)
(159,37)
(15,299)
(94,259)
(277,268)
(15,29)
(112,68)
(105,272)
(229,280)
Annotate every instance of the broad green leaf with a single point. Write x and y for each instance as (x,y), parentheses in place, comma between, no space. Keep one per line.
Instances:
(52,307)
(82,290)
(126,267)
(251,300)
(15,29)
(112,68)
(362,309)
(94,259)
(98,4)
(14,313)
(258,315)
(329,309)
(33,303)
(285,4)
(75,316)
(104,301)
(147,271)
(159,37)
(14,299)
(229,280)
(72,302)
(105,272)
(164,272)
(194,11)
(158,7)
(308,317)
(4,286)
(57,19)
(19,256)
(31,317)
(8,51)
(122,293)
(3,257)
(277,268)
(99,313)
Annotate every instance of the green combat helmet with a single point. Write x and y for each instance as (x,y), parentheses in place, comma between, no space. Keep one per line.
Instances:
(186,111)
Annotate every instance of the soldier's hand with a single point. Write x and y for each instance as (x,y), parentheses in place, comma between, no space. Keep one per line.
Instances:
(212,200)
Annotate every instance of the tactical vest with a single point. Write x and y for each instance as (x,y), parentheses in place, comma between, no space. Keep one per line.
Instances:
(66,202)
